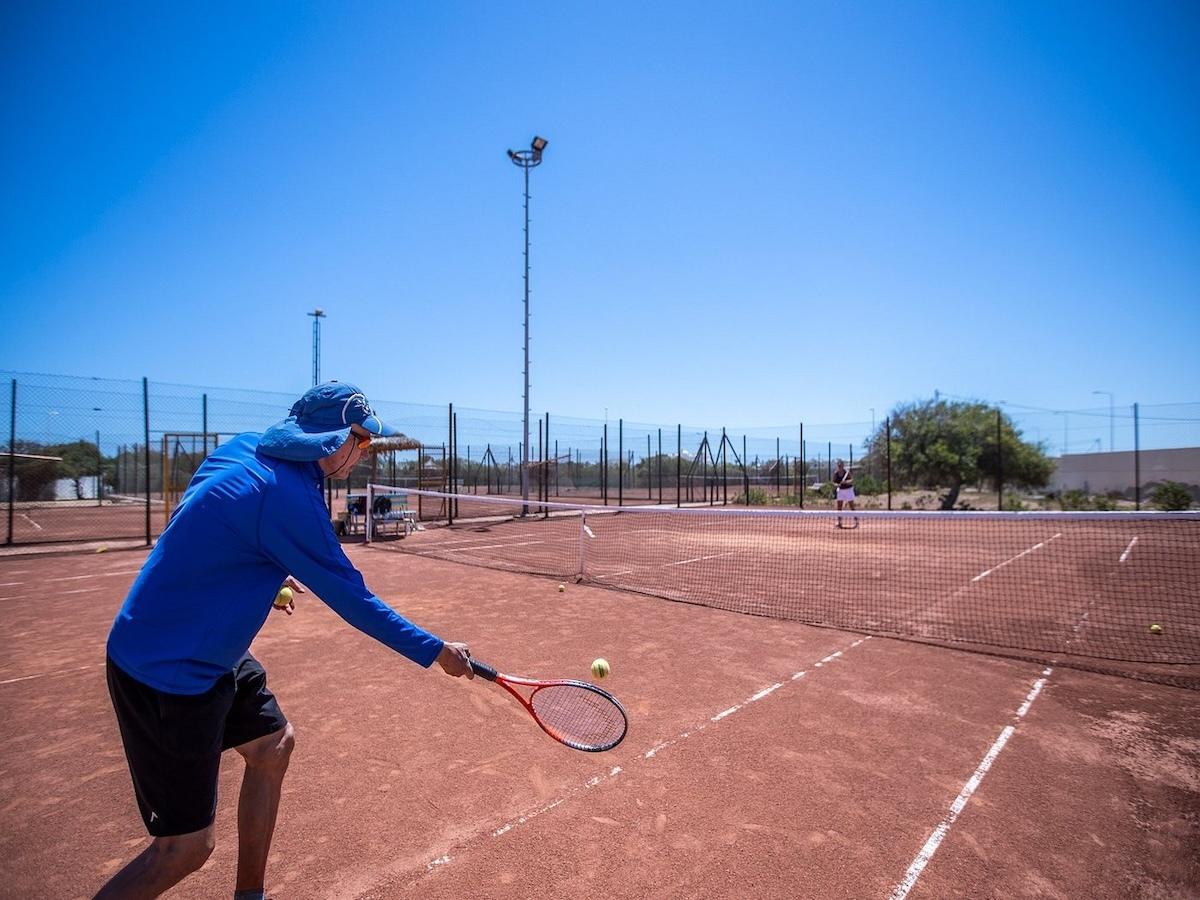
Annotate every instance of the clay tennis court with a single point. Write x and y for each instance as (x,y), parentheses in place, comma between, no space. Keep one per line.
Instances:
(765,758)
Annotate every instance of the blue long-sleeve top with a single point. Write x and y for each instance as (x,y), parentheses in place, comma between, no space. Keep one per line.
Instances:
(245,522)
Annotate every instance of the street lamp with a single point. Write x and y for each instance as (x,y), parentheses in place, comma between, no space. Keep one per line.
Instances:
(1111,418)
(527,159)
(318,314)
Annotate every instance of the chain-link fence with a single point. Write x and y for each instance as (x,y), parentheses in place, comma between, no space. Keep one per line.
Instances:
(94,459)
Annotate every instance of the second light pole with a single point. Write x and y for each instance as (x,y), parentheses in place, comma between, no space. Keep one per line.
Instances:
(527,159)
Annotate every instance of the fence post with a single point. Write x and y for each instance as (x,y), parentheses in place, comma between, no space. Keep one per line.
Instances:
(999,463)
(745,474)
(1137,461)
(803,465)
(99,472)
(620,462)
(146,434)
(604,465)
(12,459)
(724,471)
(887,424)
(678,465)
(660,467)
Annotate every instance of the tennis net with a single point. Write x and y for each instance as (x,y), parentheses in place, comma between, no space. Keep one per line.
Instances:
(1117,592)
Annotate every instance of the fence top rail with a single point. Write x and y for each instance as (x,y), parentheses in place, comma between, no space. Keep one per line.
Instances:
(955,514)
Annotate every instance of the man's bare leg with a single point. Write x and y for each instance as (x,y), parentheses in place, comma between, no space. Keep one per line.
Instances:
(165,863)
(266,762)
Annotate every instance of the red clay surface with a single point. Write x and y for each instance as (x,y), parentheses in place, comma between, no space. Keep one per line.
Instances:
(406,782)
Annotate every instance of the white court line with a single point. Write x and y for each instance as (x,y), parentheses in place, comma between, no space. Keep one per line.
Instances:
(935,839)
(1128,550)
(48,674)
(684,562)
(55,594)
(445,858)
(1038,546)
(476,547)
(25,516)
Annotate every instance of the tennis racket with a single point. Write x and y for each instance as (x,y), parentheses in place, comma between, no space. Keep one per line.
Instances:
(574,713)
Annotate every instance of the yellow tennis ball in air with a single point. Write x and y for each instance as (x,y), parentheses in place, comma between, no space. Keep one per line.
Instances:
(284,597)
(600,668)
(1156,629)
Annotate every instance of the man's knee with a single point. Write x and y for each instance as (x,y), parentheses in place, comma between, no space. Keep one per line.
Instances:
(272,751)
(186,852)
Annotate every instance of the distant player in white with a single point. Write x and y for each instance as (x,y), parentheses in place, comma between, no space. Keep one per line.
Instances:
(845,490)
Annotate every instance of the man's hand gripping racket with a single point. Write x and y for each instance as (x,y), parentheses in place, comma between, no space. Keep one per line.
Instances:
(574,713)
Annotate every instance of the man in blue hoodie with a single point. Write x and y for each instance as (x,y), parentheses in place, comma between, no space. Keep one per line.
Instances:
(183,683)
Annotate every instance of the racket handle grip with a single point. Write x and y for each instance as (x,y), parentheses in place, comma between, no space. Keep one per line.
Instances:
(483,670)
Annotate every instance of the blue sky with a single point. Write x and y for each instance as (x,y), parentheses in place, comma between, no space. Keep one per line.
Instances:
(753,215)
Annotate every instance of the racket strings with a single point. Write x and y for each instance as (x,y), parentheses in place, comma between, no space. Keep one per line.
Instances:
(579,716)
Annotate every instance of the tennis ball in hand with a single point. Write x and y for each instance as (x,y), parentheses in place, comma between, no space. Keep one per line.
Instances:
(1156,629)
(600,668)
(284,597)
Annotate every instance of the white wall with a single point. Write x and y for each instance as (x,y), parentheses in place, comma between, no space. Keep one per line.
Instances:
(1099,473)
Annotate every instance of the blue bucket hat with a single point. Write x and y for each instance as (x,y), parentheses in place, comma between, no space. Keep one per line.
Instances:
(320,422)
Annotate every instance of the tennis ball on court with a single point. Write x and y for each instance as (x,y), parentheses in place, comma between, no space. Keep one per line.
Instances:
(600,668)
(102,548)
(284,597)
(1156,629)
(561,588)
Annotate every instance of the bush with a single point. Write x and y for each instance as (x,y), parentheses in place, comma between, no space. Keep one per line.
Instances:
(758,497)
(868,485)
(1074,500)
(1013,504)
(1171,496)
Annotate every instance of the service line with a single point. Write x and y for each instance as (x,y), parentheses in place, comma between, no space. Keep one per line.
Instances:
(939,833)
(1128,550)
(1037,546)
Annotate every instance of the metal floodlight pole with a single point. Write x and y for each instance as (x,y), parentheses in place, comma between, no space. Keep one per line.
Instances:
(317,315)
(527,159)
(1111,418)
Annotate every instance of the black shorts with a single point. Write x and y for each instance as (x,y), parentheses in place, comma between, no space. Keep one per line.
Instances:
(173,742)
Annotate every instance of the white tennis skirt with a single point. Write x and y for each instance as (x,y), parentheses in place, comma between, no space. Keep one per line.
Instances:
(845,493)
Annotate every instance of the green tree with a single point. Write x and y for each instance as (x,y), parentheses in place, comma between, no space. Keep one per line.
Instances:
(942,445)
(1171,495)
(79,461)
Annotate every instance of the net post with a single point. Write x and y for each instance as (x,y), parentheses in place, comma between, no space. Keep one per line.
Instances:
(660,467)
(546,470)
(582,545)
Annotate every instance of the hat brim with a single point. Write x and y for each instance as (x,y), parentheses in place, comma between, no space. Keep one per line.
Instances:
(292,441)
